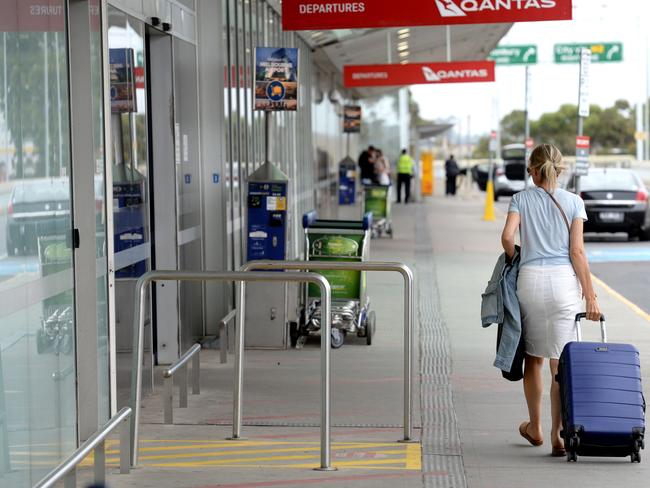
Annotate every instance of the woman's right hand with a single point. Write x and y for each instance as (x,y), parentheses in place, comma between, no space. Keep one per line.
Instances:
(593,310)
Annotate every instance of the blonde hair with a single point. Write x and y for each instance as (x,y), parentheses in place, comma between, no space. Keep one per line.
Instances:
(547,159)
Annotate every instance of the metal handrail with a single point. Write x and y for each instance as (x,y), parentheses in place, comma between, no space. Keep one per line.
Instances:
(239,277)
(168,379)
(67,469)
(409,311)
(180,362)
(223,334)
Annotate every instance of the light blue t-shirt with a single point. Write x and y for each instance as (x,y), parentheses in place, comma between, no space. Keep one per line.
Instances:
(544,236)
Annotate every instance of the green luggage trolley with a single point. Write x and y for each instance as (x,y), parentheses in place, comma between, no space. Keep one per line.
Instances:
(343,241)
(376,199)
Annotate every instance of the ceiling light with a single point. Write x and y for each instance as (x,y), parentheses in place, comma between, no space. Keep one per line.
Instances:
(403,31)
(404,61)
(403,36)
(404,54)
(403,44)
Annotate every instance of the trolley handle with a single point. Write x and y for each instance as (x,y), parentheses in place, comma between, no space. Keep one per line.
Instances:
(603,329)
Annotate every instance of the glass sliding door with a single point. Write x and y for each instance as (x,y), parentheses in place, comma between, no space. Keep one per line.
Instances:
(38,412)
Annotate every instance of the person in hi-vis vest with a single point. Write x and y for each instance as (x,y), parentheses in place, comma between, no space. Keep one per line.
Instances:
(404,174)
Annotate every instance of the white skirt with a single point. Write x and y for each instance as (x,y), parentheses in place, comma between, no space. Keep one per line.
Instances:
(549,297)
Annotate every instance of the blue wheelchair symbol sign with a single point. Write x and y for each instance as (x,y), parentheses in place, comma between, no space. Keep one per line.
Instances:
(275,91)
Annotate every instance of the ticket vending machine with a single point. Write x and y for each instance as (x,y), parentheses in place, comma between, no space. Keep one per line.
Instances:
(266,231)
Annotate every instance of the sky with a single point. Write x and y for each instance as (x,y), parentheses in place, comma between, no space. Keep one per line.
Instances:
(626,21)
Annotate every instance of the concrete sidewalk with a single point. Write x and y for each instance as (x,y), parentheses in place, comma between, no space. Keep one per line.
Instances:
(466,414)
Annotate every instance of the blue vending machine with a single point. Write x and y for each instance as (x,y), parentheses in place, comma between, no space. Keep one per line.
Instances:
(266,238)
(347,181)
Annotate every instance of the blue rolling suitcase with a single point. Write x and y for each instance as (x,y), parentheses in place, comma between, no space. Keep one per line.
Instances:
(603,409)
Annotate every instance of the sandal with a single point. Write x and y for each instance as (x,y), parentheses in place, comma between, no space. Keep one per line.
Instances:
(558,452)
(523,431)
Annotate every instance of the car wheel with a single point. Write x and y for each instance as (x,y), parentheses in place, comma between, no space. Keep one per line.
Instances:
(644,235)
(496,197)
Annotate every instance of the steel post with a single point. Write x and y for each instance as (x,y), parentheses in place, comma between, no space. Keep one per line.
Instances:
(238,277)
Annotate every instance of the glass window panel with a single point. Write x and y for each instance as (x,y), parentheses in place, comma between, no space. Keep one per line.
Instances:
(37,326)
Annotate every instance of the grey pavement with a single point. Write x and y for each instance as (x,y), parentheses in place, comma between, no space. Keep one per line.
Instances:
(467,413)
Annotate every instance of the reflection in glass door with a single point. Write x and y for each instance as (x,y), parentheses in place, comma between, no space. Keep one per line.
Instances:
(129,146)
(38,411)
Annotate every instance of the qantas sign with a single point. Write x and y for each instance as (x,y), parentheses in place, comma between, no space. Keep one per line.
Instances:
(346,14)
(418,73)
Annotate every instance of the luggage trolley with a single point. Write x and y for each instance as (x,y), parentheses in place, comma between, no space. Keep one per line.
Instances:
(376,199)
(336,240)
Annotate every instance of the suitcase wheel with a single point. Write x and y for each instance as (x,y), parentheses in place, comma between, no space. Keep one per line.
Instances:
(635,457)
(571,456)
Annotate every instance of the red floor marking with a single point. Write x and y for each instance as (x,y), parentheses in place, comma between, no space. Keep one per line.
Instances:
(313,481)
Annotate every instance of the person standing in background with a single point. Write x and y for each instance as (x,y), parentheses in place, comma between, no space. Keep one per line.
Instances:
(367,165)
(451,171)
(404,174)
(382,169)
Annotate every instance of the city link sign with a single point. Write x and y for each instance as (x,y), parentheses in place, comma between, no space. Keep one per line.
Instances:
(601,52)
(417,73)
(350,14)
(503,55)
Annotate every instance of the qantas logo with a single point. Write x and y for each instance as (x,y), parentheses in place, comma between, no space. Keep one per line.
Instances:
(460,8)
(429,74)
(453,74)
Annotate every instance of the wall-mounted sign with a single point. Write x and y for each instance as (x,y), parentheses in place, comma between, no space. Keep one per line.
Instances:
(350,14)
(601,52)
(418,73)
(505,55)
(122,80)
(276,78)
(352,118)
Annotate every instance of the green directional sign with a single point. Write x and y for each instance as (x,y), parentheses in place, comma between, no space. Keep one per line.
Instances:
(601,52)
(524,54)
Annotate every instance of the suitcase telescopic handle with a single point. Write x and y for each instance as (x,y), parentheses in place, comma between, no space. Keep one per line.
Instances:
(603,330)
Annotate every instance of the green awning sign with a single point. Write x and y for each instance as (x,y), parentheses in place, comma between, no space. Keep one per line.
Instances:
(522,54)
(602,52)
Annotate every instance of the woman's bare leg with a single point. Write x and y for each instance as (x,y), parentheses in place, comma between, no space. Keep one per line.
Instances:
(556,407)
(533,391)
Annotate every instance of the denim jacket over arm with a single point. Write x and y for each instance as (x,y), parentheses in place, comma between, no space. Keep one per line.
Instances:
(499,305)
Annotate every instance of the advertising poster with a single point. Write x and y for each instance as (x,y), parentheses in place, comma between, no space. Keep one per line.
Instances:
(352,119)
(276,78)
(122,80)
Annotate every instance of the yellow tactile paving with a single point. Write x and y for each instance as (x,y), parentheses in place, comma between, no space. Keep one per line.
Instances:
(272,454)
(259,454)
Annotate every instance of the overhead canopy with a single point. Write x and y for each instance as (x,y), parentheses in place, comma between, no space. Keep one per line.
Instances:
(408,45)
(431,130)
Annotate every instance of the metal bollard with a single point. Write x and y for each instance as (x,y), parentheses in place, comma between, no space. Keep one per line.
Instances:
(125,446)
(182,387)
(168,400)
(196,374)
(100,463)
(223,342)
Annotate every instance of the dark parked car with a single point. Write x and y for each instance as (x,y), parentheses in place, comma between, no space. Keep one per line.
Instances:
(38,207)
(616,200)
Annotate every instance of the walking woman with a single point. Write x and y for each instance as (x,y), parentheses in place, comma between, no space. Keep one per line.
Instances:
(553,279)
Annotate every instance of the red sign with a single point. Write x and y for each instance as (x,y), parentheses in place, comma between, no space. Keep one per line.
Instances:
(138,72)
(417,73)
(349,14)
(493,134)
(582,142)
(530,143)
(32,15)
